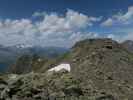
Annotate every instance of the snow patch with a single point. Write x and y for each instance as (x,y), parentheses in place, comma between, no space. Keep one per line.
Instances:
(12,76)
(66,67)
(39,60)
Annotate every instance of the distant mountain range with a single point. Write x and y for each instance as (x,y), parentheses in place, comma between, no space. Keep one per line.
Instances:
(128,45)
(9,54)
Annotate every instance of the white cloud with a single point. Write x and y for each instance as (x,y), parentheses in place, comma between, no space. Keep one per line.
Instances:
(128,36)
(52,30)
(125,17)
(39,14)
(120,19)
(121,23)
(112,36)
(122,37)
(72,21)
(108,22)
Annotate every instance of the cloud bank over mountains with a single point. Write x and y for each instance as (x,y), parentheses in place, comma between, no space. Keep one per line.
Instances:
(53,29)
(120,18)
(60,30)
(121,22)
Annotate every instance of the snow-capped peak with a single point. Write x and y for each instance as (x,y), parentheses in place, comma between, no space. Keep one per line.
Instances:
(21,46)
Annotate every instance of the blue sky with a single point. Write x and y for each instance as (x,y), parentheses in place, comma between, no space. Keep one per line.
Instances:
(63,22)
(25,8)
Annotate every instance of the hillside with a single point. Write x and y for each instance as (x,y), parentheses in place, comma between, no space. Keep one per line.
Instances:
(9,54)
(128,44)
(101,69)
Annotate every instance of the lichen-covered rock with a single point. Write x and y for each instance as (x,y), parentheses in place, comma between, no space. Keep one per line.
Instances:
(55,86)
(40,87)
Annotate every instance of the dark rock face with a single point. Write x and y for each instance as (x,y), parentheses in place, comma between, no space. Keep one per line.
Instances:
(101,69)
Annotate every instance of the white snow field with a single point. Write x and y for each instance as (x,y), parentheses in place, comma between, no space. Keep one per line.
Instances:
(12,76)
(66,67)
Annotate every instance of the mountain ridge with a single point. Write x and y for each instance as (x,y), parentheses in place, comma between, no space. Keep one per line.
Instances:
(101,69)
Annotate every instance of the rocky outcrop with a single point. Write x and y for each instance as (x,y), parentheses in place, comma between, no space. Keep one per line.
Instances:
(26,64)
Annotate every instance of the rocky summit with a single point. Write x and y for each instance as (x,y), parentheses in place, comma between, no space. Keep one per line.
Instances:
(101,69)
